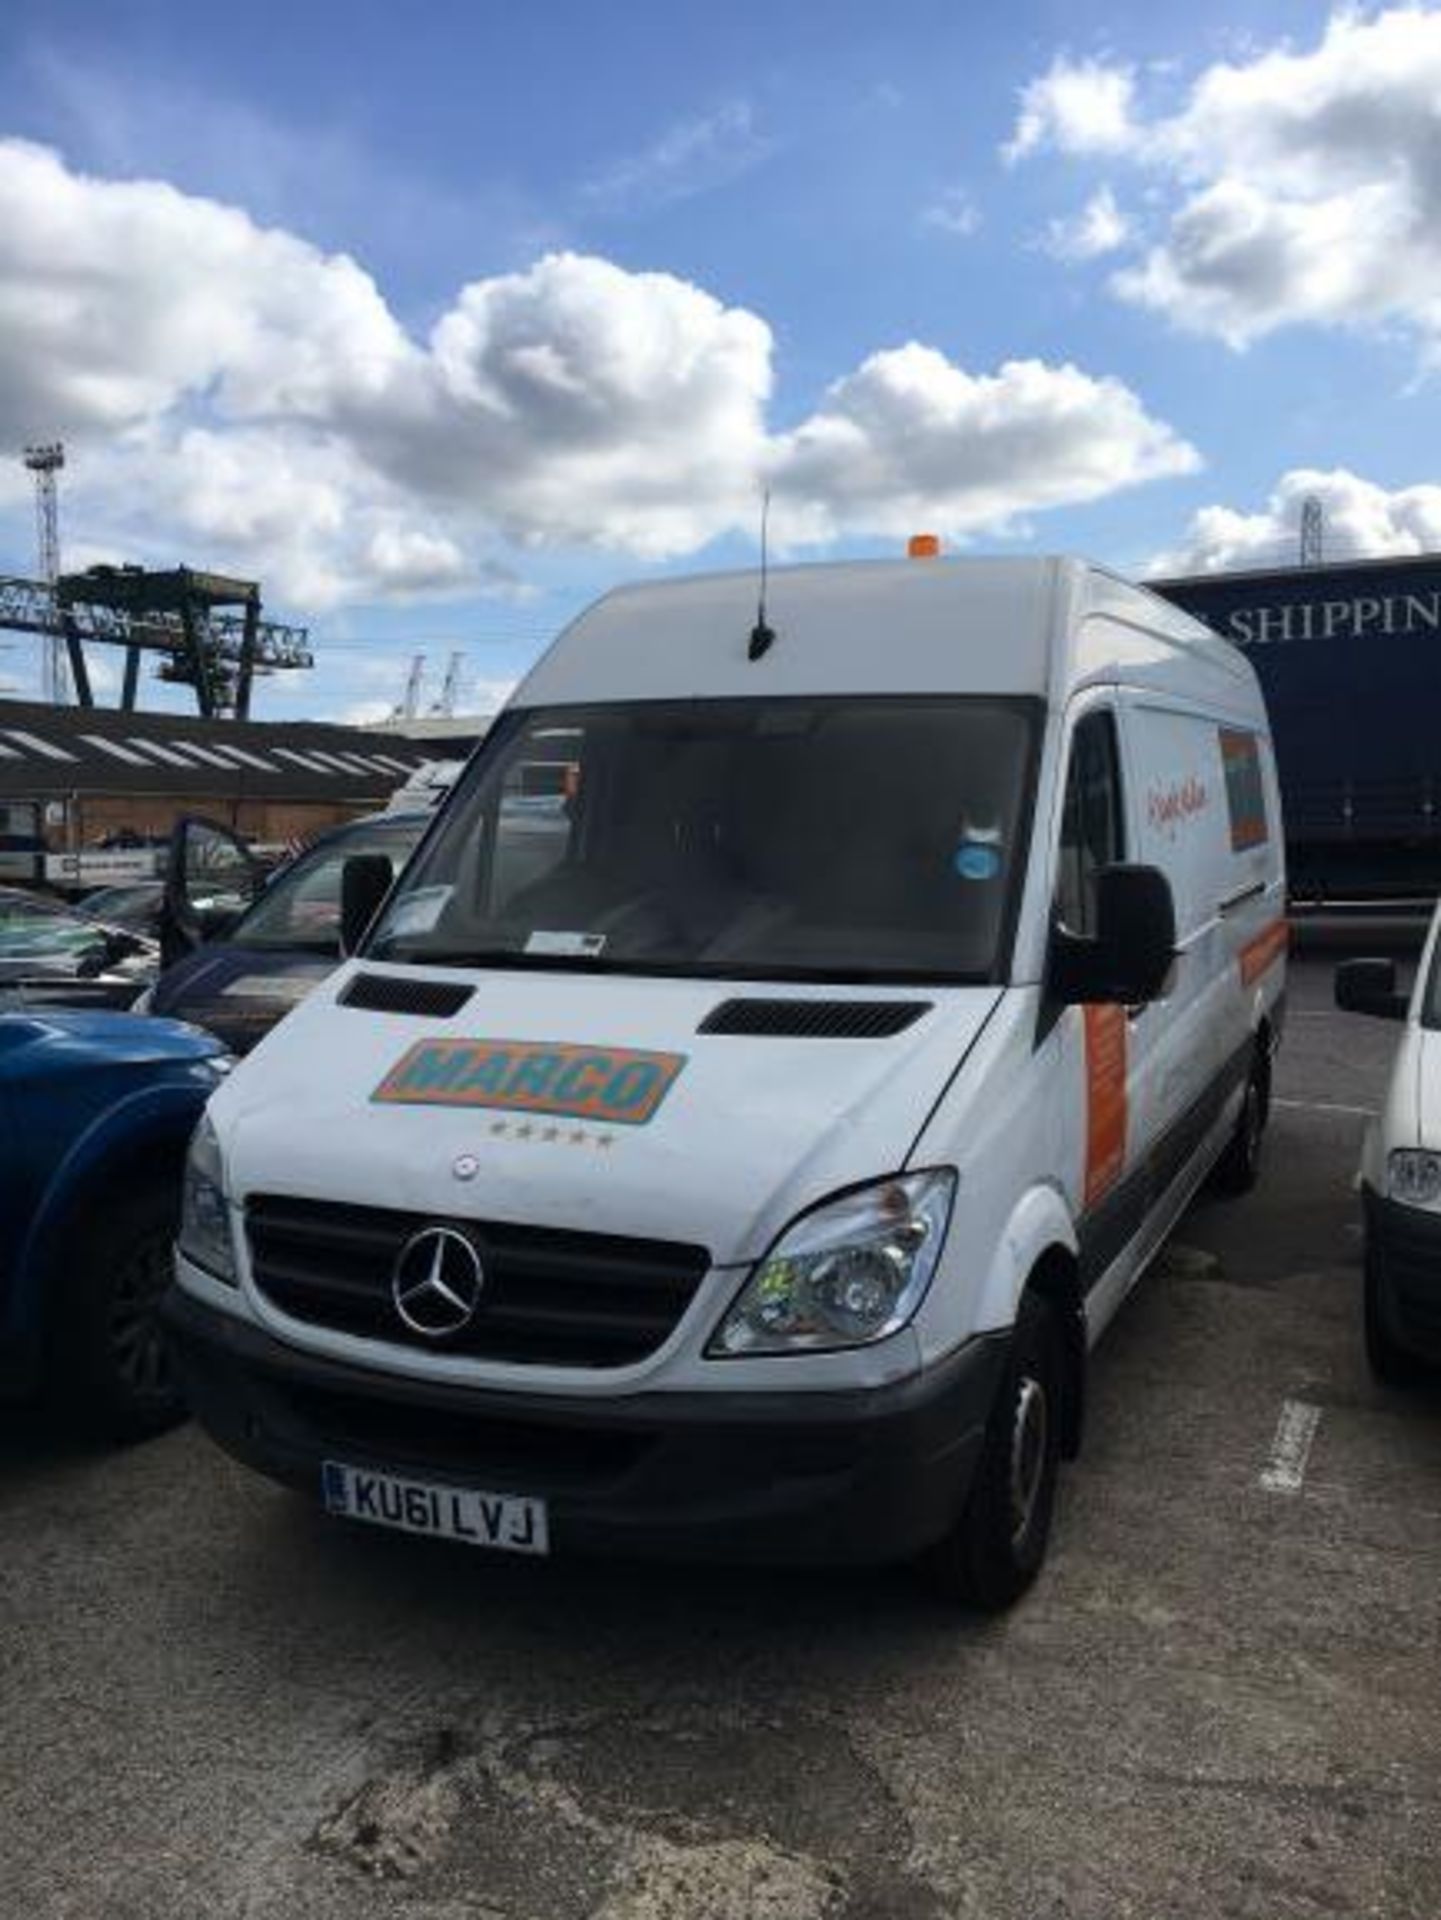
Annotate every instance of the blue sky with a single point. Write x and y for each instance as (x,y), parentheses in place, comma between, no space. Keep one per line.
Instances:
(443,319)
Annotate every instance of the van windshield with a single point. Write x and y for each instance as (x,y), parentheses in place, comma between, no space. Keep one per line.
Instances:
(838,839)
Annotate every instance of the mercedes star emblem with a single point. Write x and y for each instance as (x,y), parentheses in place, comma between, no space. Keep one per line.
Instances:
(437,1282)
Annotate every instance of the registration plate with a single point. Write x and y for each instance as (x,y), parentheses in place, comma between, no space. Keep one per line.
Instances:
(513,1522)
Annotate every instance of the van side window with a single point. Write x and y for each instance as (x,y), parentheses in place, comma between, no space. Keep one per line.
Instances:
(1092,825)
(1245,788)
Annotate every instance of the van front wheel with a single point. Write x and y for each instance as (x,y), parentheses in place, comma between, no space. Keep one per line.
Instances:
(996,1547)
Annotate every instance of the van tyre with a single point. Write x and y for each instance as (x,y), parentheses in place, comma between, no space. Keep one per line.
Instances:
(1391,1363)
(1239,1166)
(112,1373)
(995,1550)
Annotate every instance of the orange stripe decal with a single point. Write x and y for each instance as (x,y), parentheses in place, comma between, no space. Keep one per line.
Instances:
(1264,951)
(1105,1099)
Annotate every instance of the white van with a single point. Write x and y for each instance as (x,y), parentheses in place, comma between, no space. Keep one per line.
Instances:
(738,1155)
(1400,1173)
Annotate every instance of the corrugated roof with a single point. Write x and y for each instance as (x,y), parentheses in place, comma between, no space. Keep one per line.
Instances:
(51,751)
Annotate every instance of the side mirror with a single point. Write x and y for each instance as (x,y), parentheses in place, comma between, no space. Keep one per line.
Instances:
(95,960)
(1129,957)
(1369,986)
(217,918)
(364,882)
(111,947)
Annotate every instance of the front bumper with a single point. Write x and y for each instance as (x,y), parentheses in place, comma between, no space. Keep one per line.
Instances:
(1403,1249)
(847,1477)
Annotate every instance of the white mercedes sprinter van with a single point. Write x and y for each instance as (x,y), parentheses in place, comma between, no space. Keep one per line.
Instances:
(732,1142)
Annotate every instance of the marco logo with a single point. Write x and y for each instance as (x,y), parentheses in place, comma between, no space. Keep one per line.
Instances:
(614,1085)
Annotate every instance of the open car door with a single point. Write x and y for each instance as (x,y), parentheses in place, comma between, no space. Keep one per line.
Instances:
(211,878)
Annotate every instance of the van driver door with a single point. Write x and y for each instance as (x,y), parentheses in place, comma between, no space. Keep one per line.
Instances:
(1109,1045)
(1178,812)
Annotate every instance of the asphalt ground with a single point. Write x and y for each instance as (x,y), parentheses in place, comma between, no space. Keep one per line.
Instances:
(1223,1699)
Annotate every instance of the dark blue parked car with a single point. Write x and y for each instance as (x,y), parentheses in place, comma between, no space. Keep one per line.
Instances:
(96,1110)
(239,953)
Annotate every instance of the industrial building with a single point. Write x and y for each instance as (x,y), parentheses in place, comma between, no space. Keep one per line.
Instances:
(75,778)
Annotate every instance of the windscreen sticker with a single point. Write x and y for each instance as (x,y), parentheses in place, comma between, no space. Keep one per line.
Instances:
(1105,1099)
(613,1084)
(583,945)
(977,860)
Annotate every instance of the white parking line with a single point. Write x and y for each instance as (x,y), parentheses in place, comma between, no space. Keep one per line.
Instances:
(1291,1447)
(1324,1106)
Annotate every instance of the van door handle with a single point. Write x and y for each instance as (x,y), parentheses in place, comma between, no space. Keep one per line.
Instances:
(1235,900)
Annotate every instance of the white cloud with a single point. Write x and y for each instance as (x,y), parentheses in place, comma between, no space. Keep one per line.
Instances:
(257,396)
(119,298)
(1099,228)
(1360,519)
(296,508)
(693,156)
(910,439)
(1304,185)
(410,560)
(232,395)
(953,212)
(1076,106)
(580,404)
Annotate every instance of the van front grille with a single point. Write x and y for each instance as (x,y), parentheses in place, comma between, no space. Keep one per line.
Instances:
(548,1298)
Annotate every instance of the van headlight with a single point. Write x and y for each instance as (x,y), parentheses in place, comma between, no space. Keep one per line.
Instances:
(851,1271)
(204,1211)
(1413,1177)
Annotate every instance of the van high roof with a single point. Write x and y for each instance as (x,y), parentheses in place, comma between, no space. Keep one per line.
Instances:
(1035,625)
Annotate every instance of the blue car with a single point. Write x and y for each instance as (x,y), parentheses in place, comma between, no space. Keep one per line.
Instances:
(96,1110)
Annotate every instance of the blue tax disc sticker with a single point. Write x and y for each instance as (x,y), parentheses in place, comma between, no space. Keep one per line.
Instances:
(977,861)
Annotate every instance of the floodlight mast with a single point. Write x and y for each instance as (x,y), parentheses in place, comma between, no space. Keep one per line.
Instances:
(45,460)
(1313,531)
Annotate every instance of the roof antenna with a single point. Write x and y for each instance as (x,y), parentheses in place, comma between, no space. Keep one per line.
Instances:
(762,636)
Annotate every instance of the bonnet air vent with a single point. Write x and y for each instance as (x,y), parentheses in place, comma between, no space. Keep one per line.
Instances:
(815,1019)
(392,993)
